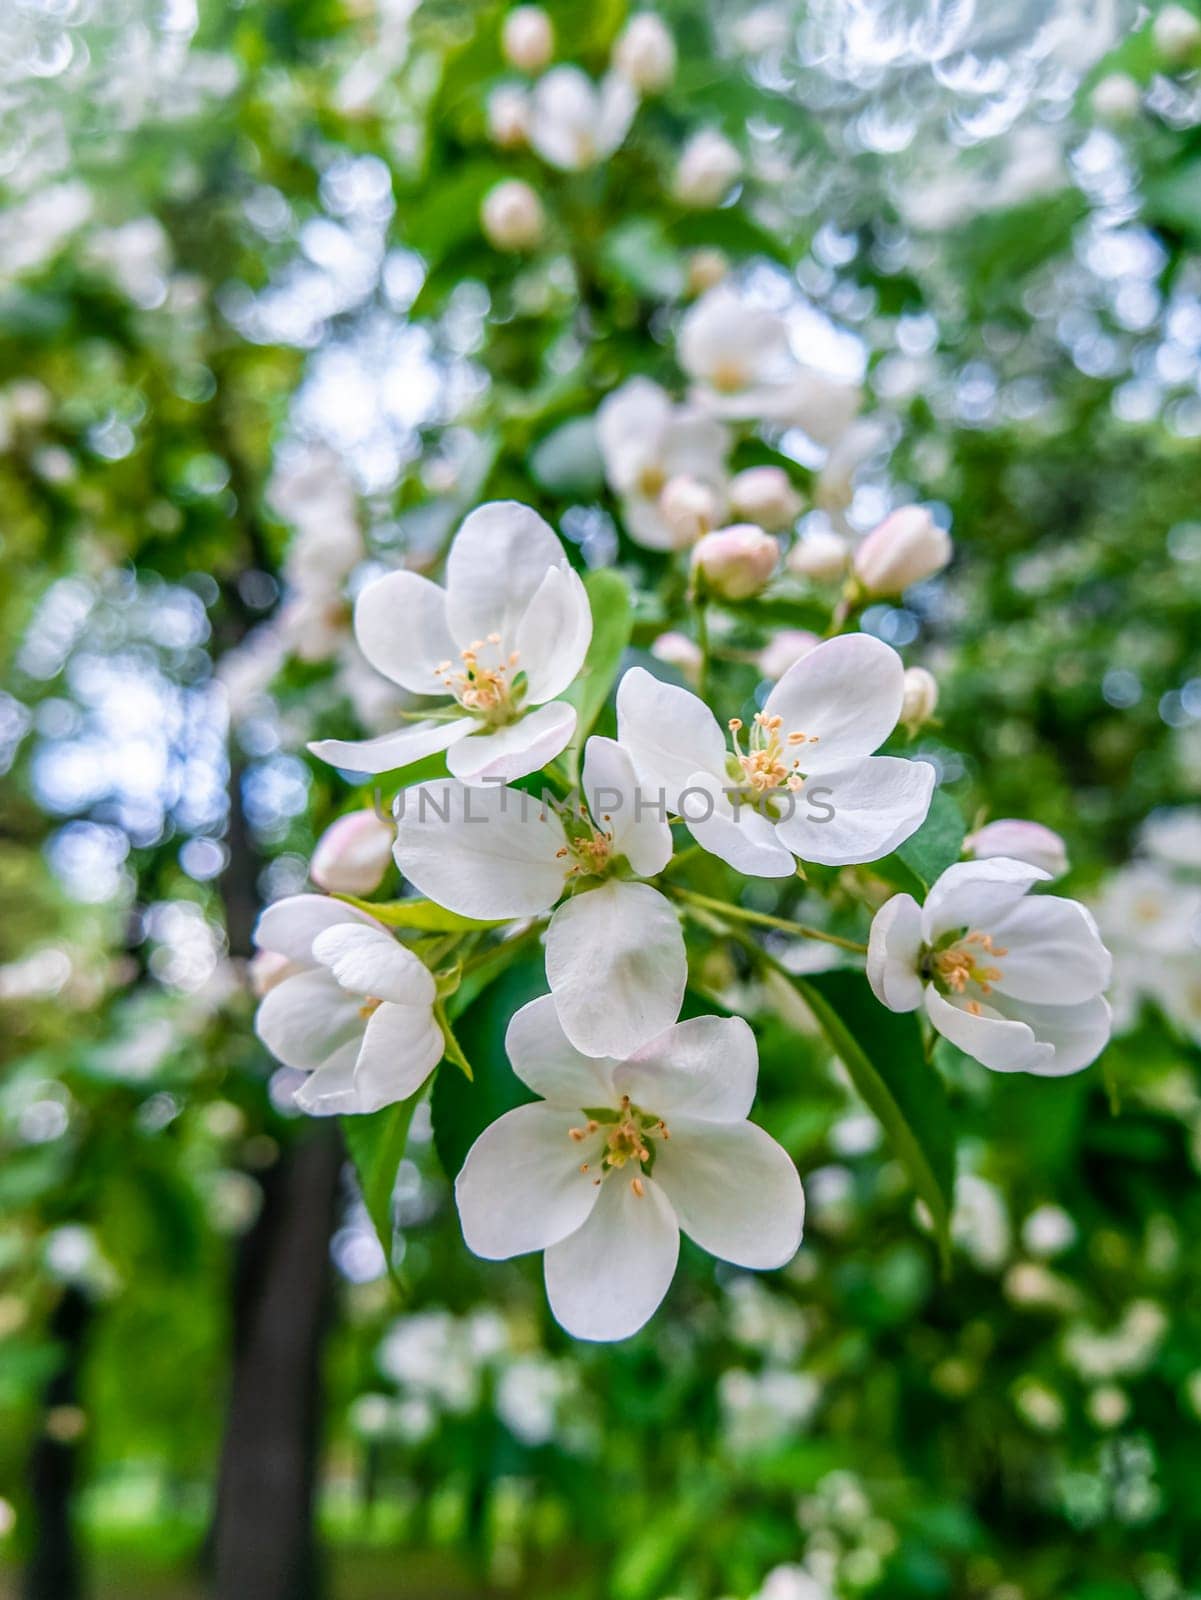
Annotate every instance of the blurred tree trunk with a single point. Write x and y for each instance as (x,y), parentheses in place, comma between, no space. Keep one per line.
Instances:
(54,1569)
(263,1545)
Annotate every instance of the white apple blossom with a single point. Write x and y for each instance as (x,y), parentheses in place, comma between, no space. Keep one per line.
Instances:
(512,217)
(1176,32)
(1020,841)
(820,555)
(806,783)
(527,38)
(784,649)
(740,358)
(765,495)
(1013,979)
(679,651)
(503,639)
(619,1155)
(645,53)
(735,563)
(574,123)
(1116,98)
(709,164)
(1174,837)
(706,269)
(353,853)
(648,442)
(905,548)
(688,509)
(921,699)
(509,116)
(615,956)
(355,1010)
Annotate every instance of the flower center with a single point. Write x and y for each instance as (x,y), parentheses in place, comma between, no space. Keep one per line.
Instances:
(487,683)
(651,480)
(368,1006)
(768,762)
(622,1138)
(960,965)
(589,847)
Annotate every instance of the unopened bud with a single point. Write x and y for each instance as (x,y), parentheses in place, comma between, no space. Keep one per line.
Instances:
(690,508)
(765,496)
(353,854)
(906,547)
(821,556)
(508,116)
(735,562)
(708,165)
(1117,98)
(921,698)
(1176,32)
(679,651)
(1020,841)
(512,216)
(645,53)
(706,269)
(528,38)
(785,650)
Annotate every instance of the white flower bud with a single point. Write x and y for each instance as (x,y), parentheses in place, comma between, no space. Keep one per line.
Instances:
(508,116)
(735,562)
(512,216)
(1117,98)
(528,38)
(765,496)
(690,509)
(921,697)
(906,547)
(29,402)
(679,651)
(706,269)
(353,854)
(1176,32)
(645,53)
(708,165)
(785,649)
(1020,841)
(820,556)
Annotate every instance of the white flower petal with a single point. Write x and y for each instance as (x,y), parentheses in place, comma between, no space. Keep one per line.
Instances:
(1077,1034)
(496,565)
(998,1042)
(516,751)
(706,1067)
(695,446)
(616,966)
(553,635)
(289,926)
(631,424)
(521,1187)
(330,1090)
(723,330)
(739,835)
(637,823)
(547,1062)
(858,812)
(893,951)
(846,694)
(669,733)
(972,894)
(609,1277)
(369,961)
(618,104)
(306,1018)
(486,852)
(645,524)
(402,1046)
(1053,954)
(400,625)
(564,119)
(734,1191)
(393,750)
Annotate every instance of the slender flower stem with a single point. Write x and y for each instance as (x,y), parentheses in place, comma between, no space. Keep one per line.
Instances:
(763,919)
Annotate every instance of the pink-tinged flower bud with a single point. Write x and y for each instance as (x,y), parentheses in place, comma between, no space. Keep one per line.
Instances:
(645,53)
(784,650)
(921,698)
(708,165)
(821,556)
(353,854)
(735,562)
(706,269)
(266,968)
(690,509)
(512,216)
(765,496)
(528,38)
(1020,841)
(1176,33)
(679,651)
(906,547)
(509,116)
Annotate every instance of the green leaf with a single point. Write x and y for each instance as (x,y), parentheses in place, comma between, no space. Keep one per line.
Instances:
(882,1052)
(452,1049)
(612,623)
(423,914)
(938,843)
(376,1144)
(568,460)
(638,255)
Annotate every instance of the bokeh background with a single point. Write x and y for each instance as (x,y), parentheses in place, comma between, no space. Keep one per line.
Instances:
(253,348)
